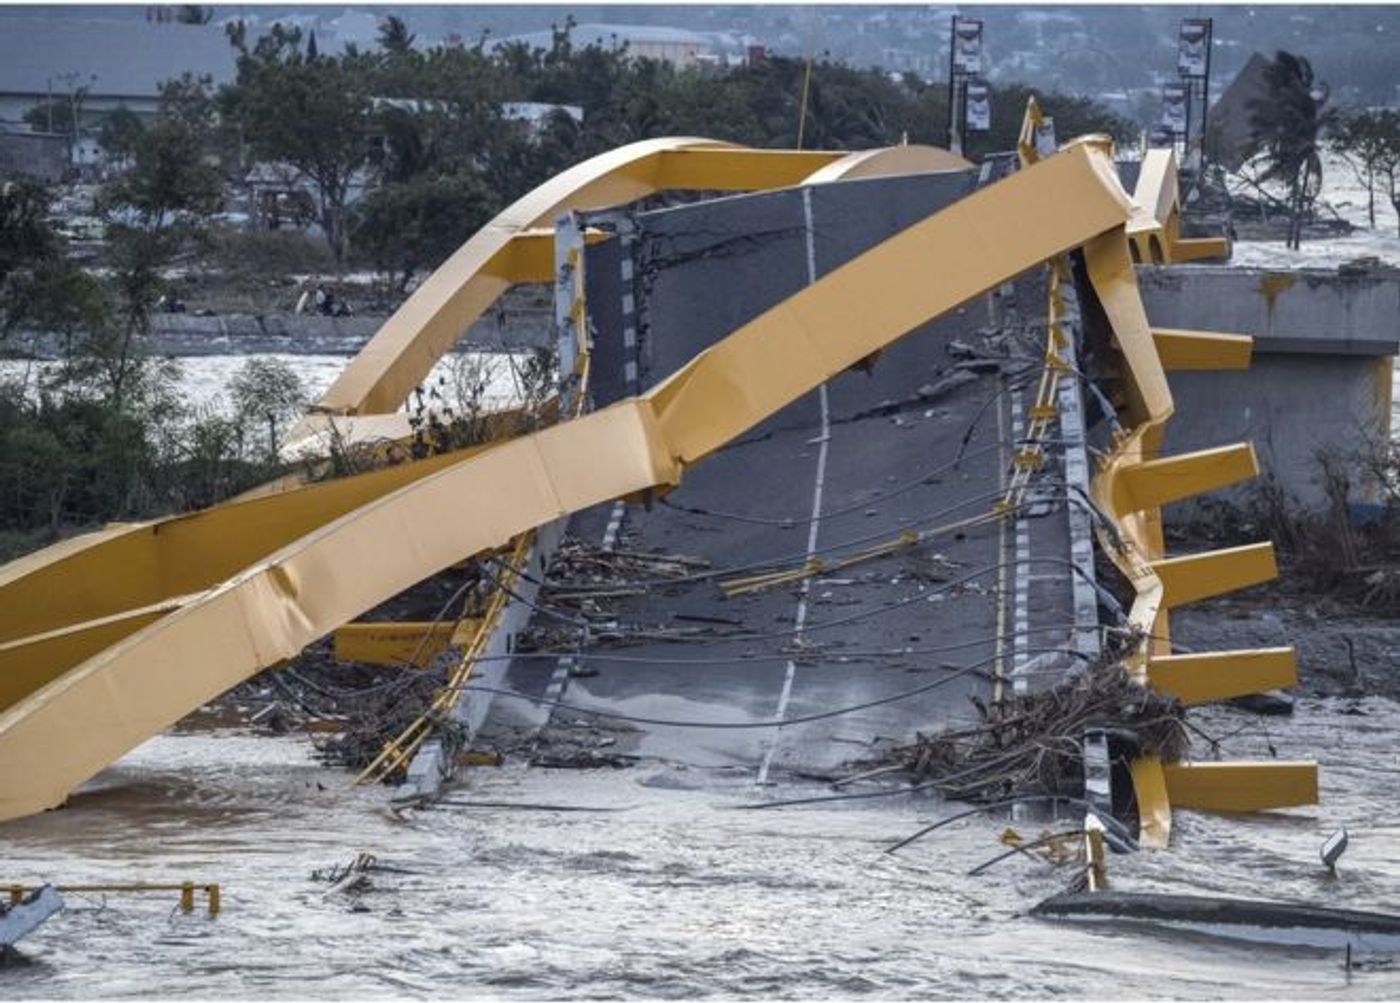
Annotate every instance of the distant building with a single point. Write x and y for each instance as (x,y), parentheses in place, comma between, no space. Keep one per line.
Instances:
(1230,132)
(34,155)
(120,63)
(667,45)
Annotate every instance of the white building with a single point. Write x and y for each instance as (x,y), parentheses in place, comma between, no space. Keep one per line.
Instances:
(668,45)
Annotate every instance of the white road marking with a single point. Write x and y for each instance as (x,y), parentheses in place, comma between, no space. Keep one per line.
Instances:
(800,618)
(560,677)
(1021,617)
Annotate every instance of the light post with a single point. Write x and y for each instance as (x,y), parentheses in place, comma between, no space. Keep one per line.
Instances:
(1193,66)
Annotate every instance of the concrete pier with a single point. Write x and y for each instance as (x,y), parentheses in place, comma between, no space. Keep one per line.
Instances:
(1325,343)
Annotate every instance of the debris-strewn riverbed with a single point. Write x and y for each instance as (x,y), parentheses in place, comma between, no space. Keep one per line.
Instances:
(665,890)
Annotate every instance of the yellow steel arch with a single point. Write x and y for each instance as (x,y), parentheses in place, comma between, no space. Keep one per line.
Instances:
(1132,484)
(1155,232)
(886,162)
(420,332)
(73,598)
(66,731)
(517,246)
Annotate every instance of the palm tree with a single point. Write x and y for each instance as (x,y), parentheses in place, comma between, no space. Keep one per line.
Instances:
(1286,130)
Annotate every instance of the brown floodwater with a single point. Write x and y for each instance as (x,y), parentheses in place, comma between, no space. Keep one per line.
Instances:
(671,893)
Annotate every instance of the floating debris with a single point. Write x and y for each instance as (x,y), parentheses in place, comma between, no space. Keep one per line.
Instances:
(1032,744)
(19,919)
(1278,923)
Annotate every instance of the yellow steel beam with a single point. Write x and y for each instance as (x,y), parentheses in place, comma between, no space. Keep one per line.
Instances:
(1200,249)
(65,732)
(1201,576)
(1156,191)
(398,642)
(1110,269)
(1153,483)
(1220,675)
(31,662)
(114,571)
(877,297)
(530,256)
(1132,484)
(1156,230)
(1183,350)
(429,323)
(886,162)
(1241,786)
(736,169)
(1154,807)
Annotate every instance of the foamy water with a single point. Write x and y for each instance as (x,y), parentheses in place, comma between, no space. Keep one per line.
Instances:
(204,379)
(671,893)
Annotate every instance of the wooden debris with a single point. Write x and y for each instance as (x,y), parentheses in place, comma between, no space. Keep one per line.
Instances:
(1031,744)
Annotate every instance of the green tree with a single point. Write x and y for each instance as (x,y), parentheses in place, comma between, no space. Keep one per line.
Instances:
(41,289)
(1369,141)
(120,134)
(404,227)
(311,112)
(394,37)
(155,211)
(267,396)
(1287,126)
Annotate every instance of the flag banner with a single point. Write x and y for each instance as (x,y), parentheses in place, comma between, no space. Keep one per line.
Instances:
(1174,98)
(1193,47)
(967,45)
(979,106)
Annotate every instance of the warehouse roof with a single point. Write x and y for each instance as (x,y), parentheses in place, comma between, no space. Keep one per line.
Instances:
(118,58)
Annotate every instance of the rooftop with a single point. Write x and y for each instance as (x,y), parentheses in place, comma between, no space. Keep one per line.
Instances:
(611,35)
(114,58)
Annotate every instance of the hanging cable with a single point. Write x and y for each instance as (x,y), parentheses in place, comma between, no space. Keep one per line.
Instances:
(954,674)
(1109,821)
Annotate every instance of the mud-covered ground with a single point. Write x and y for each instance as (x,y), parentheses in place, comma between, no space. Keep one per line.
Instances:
(1341,653)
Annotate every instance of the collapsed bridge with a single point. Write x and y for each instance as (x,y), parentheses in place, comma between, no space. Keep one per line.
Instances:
(734,392)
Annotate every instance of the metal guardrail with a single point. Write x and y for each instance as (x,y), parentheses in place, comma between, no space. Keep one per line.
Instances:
(187,890)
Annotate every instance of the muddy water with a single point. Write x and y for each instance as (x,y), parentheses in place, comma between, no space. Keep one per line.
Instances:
(671,894)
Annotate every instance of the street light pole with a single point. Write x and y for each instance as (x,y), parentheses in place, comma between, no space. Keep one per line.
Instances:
(1205,91)
(954,140)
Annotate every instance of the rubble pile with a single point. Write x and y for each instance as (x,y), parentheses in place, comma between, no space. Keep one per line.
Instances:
(1031,744)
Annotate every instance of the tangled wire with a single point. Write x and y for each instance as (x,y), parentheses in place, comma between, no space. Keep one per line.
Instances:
(1032,744)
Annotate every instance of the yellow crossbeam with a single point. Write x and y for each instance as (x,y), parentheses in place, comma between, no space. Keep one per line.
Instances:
(1188,351)
(1200,249)
(530,256)
(1216,572)
(28,663)
(1219,675)
(1154,807)
(399,643)
(1153,483)
(185,888)
(1241,786)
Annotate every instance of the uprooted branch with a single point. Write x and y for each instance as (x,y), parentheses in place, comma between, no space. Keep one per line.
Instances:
(1032,744)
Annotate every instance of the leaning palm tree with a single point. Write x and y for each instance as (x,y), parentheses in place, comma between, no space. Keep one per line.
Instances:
(1286,127)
